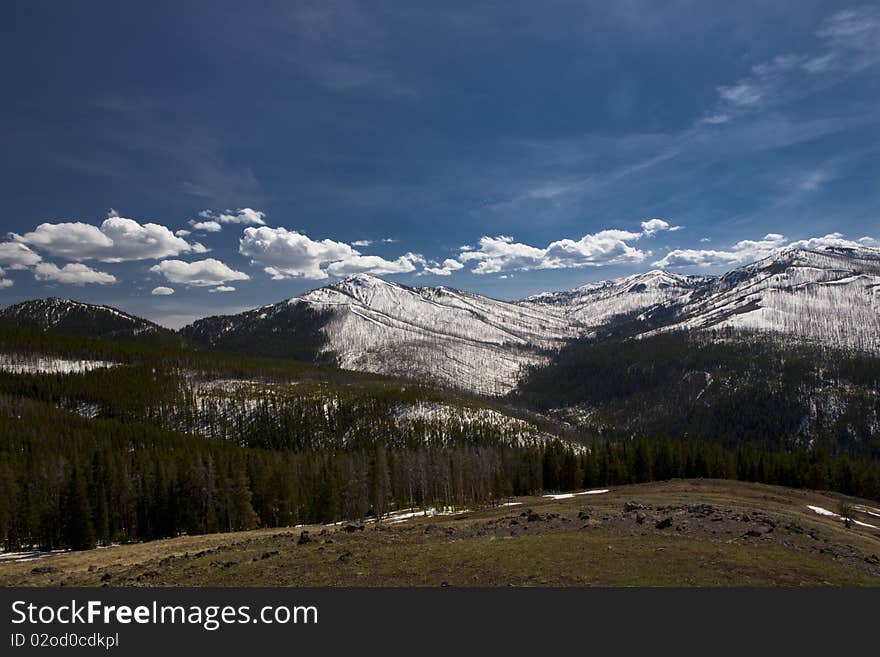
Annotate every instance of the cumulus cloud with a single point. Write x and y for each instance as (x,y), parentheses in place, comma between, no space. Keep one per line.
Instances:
(201,273)
(654,226)
(606,247)
(747,251)
(286,253)
(206,226)
(72,274)
(223,288)
(117,239)
(4,282)
(17,256)
(445,269)
(371,264)
(242,216)
(162,291)
(182,233)
(289,254)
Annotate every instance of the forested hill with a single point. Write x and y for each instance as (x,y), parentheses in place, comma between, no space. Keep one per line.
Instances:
(729,388)
(85,319)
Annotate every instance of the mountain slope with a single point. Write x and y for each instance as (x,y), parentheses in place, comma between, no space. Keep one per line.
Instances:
(829,296)
(441,335)
(595,304)
(66,316)
(825,296)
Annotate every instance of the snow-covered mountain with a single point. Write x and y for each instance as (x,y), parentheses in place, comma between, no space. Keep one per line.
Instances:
(438,334)
(595,304)
(66,316)
(467,341)
(829,296)
(464,340)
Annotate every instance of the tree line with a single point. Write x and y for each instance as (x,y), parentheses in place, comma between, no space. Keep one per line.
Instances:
(72,482)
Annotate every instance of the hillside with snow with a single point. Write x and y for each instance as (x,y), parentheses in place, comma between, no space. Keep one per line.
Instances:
(827,296)
(442,335)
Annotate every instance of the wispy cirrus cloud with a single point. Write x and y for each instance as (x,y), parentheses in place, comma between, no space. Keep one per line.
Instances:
(848,42)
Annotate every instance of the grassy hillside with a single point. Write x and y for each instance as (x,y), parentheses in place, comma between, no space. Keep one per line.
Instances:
(676,533)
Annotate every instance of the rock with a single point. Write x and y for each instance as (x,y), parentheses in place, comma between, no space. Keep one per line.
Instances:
(872,558)
(532,516)
(44,570)
(353,528)
(583,515)
(344,557)
(514,521)
(106,577)
(267,555)
(665,523)
(641,517)
(632,506)
(304,538)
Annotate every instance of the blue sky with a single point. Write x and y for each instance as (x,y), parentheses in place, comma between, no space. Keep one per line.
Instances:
(241,153)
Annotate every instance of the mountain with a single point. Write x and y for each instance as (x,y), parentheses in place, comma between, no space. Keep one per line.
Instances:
(459,339)
(438,334)
(595,304)
(827,296)
(66,316)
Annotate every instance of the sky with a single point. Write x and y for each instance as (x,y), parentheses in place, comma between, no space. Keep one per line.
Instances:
(179,160)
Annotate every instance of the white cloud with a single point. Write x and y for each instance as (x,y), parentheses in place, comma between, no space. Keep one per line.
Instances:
(206,226)
(72,274)
(814,180)
(371,264)
(747,251)
(449,265)
(716,119)
(242,216)
(362,243)
(199,248)
(848,42)
(17,256)
(117,239)
(606,247)
(162,291)
(653,226)
(289,254)
(201,273)
(223,288)
(182,233)
(286,253)
(4,282)
(743,93)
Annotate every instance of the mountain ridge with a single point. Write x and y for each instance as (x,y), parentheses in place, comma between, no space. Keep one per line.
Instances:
(460,339)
